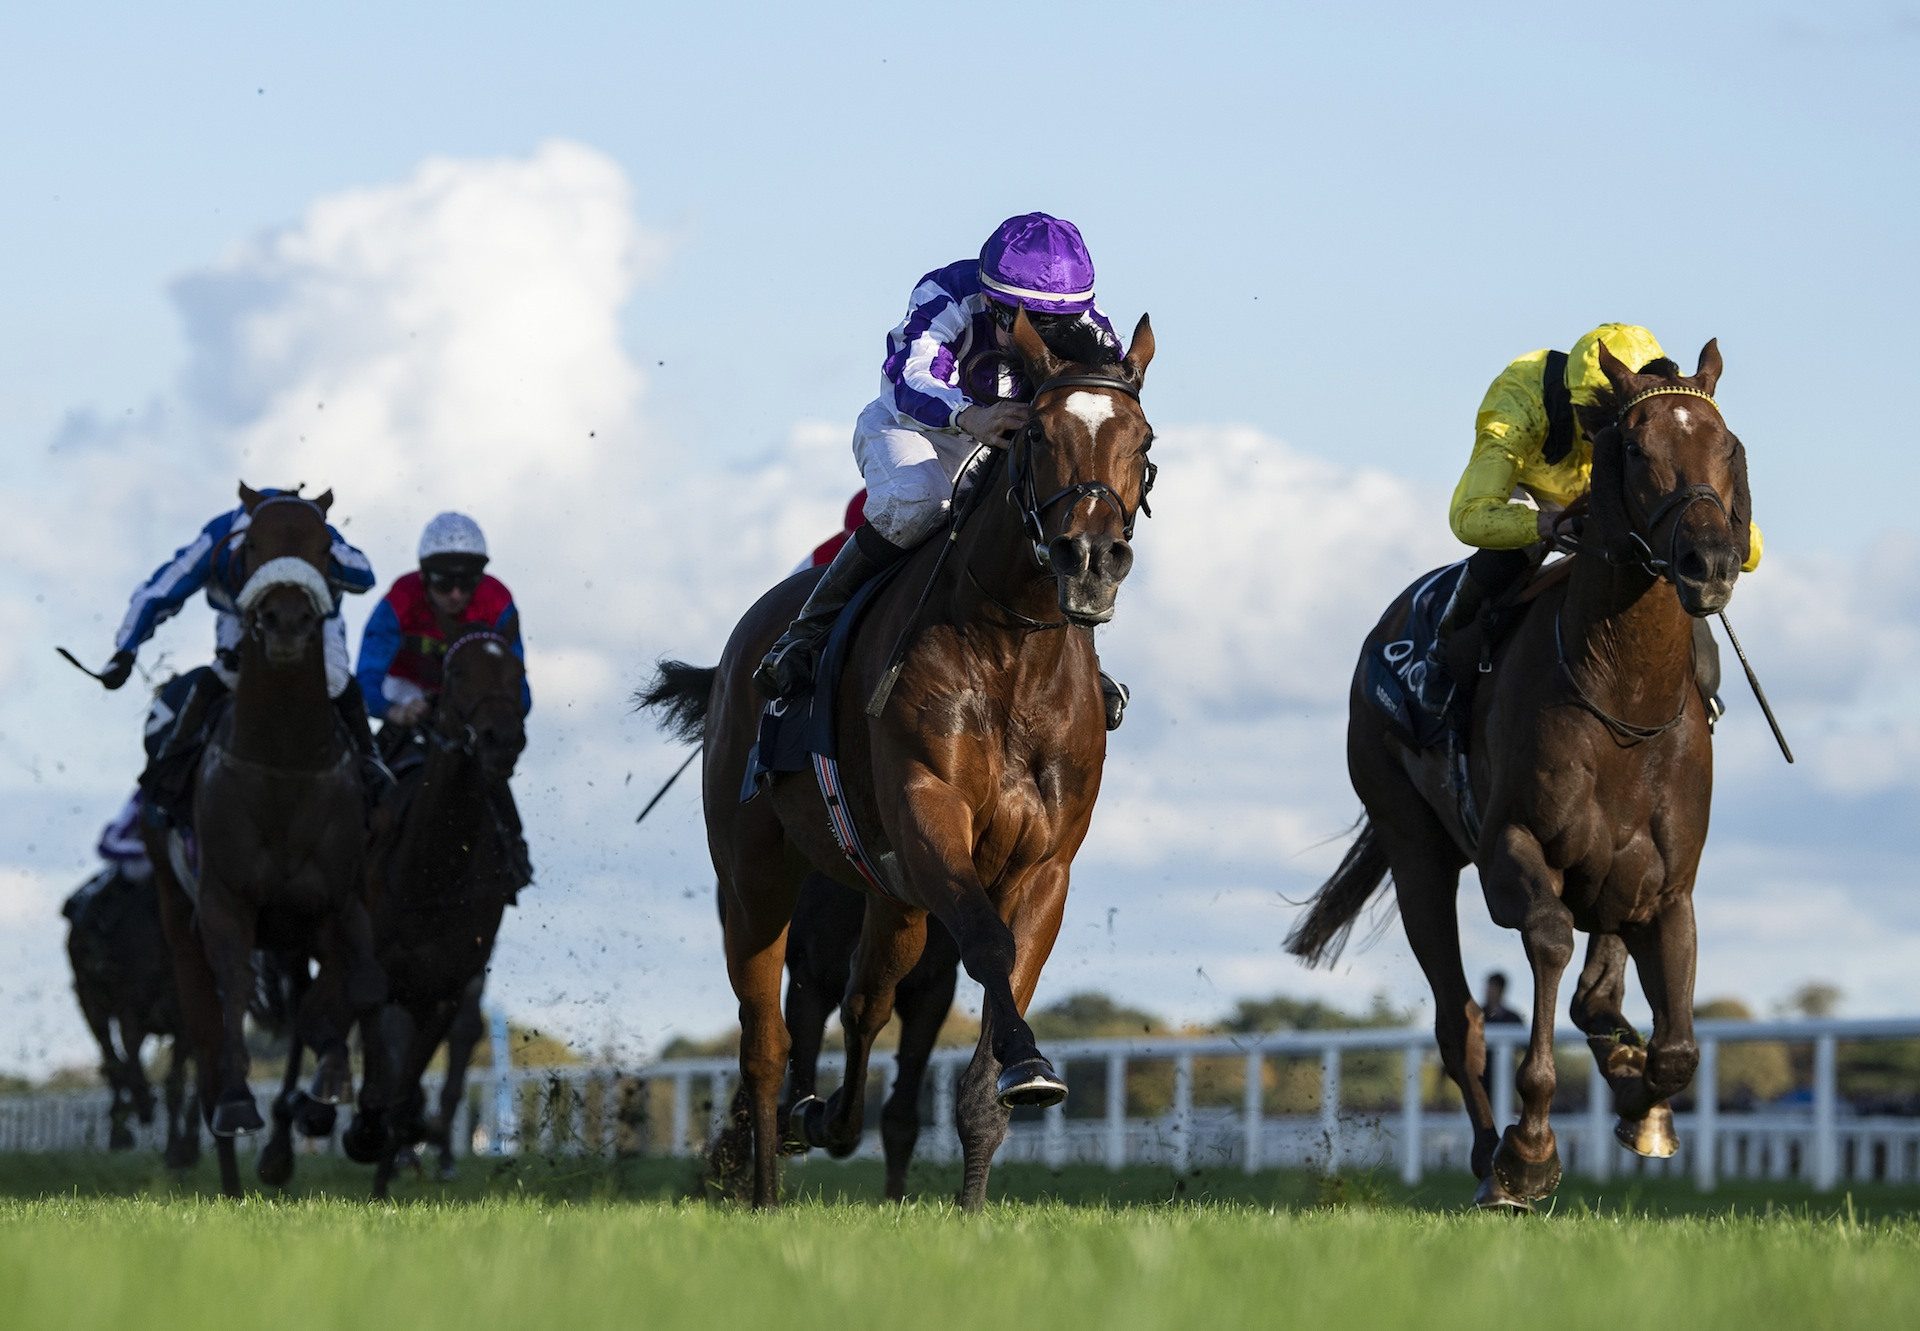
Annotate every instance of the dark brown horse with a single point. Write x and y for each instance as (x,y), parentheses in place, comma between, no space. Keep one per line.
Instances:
(827,920)
(1592,762)
(279,815)
(124,981)
(439,881)
(972,789)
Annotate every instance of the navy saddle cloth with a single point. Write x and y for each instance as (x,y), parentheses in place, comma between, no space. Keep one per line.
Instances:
(793,730)
(1393,668)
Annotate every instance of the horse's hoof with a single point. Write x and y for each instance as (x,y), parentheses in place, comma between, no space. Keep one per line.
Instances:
(184,1154)
(332,1082)
(313,1118)
(276,1163)
(364,1141)
(1652,1136)
(446,1173)
(1522,1179)
(120,1138)
(806,1124)
(1490,1196)
(236,1117)
(1030,1084)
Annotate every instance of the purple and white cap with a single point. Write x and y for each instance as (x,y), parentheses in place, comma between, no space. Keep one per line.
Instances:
(1039,262)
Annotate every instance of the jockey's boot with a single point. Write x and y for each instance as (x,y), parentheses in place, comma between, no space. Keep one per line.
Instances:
(788,667)
(1114,697)
(166,784)
(1435,689)
(375,777)
(519,864)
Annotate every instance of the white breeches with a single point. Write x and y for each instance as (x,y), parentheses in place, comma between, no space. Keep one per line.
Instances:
(909,472)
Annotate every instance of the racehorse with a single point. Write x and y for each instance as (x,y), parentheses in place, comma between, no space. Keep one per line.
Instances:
(124,982)
(820,947)
(279,816)
(1591,759)
(974,784)
(439,881)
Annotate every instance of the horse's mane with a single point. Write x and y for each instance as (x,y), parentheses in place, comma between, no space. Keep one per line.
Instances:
(1078,340)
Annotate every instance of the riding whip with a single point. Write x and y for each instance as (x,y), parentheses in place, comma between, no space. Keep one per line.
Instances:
(670,780)
(74,662)
(1759,694)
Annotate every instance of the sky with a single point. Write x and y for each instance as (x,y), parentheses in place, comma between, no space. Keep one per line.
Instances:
(615,280)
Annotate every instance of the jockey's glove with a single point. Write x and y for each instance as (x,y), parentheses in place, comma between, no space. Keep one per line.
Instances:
(117,670)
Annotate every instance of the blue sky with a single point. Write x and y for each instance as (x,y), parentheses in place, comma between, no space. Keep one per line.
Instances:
(1343,219)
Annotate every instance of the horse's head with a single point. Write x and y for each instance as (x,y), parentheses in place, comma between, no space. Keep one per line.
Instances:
(1670,479)
(282,561)
(479,708)
(1086,451)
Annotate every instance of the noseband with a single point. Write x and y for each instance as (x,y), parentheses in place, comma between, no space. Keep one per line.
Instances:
(1022,494)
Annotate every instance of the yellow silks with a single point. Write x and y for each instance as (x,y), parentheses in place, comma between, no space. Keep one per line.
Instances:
(1510,431)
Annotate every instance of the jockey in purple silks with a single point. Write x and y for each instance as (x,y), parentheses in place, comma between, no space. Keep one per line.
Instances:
(946,389)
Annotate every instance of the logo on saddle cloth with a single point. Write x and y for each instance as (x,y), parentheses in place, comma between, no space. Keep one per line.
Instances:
(797,735)
(1394,668)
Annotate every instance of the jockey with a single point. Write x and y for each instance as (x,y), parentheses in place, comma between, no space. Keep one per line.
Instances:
(824,552)
(124,855)
(945,390)
(176,725)
(1516,448)
(404,641)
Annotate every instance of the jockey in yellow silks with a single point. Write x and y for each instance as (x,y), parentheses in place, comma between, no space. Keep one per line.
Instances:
(1511,458)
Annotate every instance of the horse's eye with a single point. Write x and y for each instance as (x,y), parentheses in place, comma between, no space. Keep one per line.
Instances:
(1632,448)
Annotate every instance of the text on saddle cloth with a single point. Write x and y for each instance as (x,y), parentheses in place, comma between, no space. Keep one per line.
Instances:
(798,735)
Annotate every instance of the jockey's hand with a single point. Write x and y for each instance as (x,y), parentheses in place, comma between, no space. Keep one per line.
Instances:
(117,670)
(996,424)
(1551,523)
(410,712)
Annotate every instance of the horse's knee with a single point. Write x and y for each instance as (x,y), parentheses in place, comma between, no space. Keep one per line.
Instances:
(1535,1079)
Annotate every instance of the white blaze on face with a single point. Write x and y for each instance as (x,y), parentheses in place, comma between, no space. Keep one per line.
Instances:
(1091,409)
(1682,417)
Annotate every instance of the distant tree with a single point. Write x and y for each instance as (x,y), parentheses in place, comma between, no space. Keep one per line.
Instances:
(1750,1071)
(1090,1015)
(1816,998)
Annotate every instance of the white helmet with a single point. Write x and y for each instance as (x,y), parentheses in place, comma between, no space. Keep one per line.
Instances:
(453,534)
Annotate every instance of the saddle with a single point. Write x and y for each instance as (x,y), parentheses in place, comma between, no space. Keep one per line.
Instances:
(798,734)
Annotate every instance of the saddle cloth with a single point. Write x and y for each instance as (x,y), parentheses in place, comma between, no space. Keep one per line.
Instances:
(1393,669)
(797,734)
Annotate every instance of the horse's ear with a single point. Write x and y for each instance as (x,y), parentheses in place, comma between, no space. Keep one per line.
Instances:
(1140,351)
(249,497)
(1032,349)
(1617,372)
(1708,375)
(324,501)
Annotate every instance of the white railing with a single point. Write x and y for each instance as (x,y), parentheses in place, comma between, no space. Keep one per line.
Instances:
(673,1108)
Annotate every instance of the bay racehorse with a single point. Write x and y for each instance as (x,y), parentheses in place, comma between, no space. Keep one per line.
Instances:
(439,881)
(278,811)
(1592,763)
(974,785)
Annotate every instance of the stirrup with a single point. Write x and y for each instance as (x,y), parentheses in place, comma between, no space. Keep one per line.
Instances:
(787,670)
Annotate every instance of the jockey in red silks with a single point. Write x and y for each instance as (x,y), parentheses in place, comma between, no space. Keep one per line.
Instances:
(824,552)
(404,643)
(946,389)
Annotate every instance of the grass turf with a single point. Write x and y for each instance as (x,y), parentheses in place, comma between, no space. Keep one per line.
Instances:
(93,1241)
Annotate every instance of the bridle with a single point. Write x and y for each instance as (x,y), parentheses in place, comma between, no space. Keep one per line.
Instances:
(1639,550)
(1023,495)
(462,738)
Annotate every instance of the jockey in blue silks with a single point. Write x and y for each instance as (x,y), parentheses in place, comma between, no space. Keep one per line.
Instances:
(946,389)
(176,725)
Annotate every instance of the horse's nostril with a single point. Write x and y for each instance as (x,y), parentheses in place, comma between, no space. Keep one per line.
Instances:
(1116,561)
(1069,555)
(1692,567)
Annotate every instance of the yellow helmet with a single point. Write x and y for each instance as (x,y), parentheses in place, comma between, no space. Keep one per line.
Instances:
(1630,344)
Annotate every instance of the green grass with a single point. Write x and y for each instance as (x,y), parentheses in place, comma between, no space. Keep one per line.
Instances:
(89,1241)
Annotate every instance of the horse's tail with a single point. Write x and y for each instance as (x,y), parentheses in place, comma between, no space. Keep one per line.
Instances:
(1318,939)
(681,691)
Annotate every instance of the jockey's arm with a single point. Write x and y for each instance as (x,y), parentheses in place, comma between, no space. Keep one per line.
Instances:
(917,378)
(1511,426)
(379,644)
(347,569)
(170,586)
(508,627)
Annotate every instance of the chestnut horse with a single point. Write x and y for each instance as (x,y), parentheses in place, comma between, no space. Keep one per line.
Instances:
(280,818)
(1591,757)
(973,787)
(438,883)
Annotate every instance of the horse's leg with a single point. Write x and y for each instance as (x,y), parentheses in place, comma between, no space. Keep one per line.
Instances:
(413,1035)
(348,990)
(1664,951)
(890,942)
(981,1104)
(820,950)
(462,1037)
(1522,892)
(923,1002)
(226,927)
(275,1165)
(183,1130)
(99,1020)
(759,907)
(200,1015)
(1597,1009)
(133,1038)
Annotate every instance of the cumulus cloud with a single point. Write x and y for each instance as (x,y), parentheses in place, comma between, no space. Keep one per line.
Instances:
(451,340)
